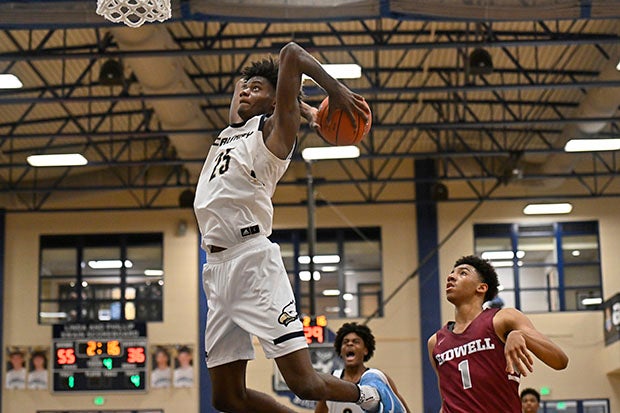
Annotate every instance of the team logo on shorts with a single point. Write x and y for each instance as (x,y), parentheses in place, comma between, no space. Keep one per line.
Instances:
(289,314)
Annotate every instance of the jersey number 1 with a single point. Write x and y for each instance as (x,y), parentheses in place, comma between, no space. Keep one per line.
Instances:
(465,377)
(222,158)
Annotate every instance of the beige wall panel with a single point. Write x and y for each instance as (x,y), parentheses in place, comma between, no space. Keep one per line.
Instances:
(398,340)
(180,305)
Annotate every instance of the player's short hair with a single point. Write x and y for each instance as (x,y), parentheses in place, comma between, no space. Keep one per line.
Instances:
(41,354)
(267,68)
(362,331)
(184,349)
(16,353)
(486,272)
(163,351)
(531,391)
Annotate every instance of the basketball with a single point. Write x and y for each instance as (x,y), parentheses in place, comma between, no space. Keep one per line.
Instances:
(340,130)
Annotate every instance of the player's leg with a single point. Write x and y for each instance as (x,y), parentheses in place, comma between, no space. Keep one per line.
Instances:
(390,403)
(305,382)
(231,395)
(273,318)
(228,347)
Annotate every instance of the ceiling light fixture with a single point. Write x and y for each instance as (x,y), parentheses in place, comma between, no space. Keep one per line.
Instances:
(592,301)
(548,209)
(500,264)
(592,145)
(331,293)
(52,314)
(340,71)
(319,259)
(305,276)
(480,62)
(330,152)
(153,273)
(108,264)
(501,255)
(59,159)
(9,81)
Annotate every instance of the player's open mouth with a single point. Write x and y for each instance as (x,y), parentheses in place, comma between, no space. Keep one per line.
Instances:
(350,355)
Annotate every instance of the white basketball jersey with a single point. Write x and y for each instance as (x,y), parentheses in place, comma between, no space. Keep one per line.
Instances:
(342,407)
(238,179)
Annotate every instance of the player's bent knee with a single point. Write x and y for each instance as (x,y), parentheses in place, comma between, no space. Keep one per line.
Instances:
(224,403)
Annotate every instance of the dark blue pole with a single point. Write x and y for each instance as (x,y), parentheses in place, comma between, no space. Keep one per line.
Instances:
(429,299)
(2,218)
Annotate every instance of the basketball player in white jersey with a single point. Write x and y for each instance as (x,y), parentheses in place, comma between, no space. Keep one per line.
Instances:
(355,344)
(245,282)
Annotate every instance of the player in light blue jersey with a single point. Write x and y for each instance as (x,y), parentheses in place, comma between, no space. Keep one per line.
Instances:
(355,344)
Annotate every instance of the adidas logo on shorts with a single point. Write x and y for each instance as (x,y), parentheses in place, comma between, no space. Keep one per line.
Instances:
(250,230)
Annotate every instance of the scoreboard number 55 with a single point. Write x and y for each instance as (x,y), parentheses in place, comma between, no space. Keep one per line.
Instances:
(65,356)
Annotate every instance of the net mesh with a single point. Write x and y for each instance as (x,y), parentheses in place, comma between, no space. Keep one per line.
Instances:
(134,13)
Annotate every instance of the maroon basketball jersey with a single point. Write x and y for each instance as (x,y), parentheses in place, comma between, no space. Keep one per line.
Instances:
(472,369)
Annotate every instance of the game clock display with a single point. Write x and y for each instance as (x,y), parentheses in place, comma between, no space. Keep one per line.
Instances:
(107,356)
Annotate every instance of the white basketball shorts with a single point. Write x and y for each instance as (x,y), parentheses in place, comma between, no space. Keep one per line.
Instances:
(249,293)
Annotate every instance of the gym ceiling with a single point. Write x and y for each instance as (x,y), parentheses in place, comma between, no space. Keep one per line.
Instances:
(489,90)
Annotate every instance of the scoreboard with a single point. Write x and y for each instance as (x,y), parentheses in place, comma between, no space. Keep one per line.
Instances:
(108,356)
(315,329)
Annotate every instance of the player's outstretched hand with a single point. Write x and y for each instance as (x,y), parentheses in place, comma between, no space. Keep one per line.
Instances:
(518,357)
(348,102)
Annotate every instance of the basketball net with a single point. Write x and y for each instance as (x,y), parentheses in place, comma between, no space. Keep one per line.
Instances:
(134,13)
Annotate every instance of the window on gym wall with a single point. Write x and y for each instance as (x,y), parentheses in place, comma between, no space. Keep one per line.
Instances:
(544,267)
(100,277)
(347,274)
(575,406)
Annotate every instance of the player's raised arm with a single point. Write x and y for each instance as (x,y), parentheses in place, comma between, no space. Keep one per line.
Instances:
(293,62)
(520,336)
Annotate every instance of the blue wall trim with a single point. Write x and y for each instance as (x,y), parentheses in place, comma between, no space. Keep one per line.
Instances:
(429,298)
(205,403)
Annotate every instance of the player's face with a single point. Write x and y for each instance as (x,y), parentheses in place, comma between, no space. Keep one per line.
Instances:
(463,283)
(184,359)
(17,361)
(257,97)
(38,362)
(162,359)
(353,350)
(529,404)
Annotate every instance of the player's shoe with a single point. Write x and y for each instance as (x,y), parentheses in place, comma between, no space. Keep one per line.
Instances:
(390,403)
(369,399)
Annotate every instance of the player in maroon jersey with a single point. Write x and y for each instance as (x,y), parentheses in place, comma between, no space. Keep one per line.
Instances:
(480,356)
